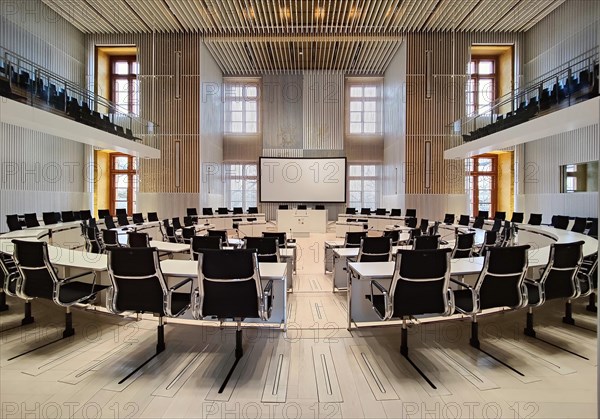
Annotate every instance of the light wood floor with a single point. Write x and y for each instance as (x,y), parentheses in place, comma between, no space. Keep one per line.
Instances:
(316,369)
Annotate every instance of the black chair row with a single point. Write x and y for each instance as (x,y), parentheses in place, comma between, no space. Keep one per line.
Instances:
(394,212)
(301,207)
(193,212)
(17,222)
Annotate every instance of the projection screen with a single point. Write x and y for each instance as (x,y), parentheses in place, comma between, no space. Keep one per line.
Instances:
(302,180)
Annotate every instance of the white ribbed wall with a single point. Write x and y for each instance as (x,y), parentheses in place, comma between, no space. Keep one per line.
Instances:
(39,172)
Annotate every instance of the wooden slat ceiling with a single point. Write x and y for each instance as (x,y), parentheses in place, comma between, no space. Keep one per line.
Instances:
(254,36)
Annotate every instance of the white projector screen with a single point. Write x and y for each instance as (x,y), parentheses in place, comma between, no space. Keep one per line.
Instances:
(302,180)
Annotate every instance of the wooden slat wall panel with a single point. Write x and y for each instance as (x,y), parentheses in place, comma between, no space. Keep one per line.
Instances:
(323,110)
(282,101)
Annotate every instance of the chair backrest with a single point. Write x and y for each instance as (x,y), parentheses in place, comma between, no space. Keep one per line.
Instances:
(483,214)
(593,227)
(500,215)
(188,221)
(424,225)
(517,217)
(238,210)
(394,235)
(411,212)
(171,234)
(137,218)
(365,211)
(280,236)
(283,207)
(110,239)
(219,233)
(463,245)
(350,211)
(426,242)
(201,243)
(12,221)
(229,285)
(207,211)
(500,282)
(122,220)
(560,221)
(187,234)
(434,229)
(478,223)
(109,223)
(301,207)
(67,216)
(121,211)
(449,219)
(103,213)
(319,207)
(135,239)
(420,283)
(152,216)
(375,249)
(252,210)
(380,211)
(267,248)
(191,212)
(395,212)
(38,278)
(560,275)
(497,224)
(464,220)
(222,211)
(91,239)
(31,220)
(535,219)
(353,238)
(579,225)
(137,281)
(176,223)
(49,218)
(85,214)
(411,222)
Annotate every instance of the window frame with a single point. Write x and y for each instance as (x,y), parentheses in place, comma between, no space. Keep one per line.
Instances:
(475,77)
(131,78)
(362,178)
(132,177)
(229,176)
(245,82)
(363,82)
(475,174)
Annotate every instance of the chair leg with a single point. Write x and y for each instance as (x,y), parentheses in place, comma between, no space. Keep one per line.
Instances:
(27,317)
(239,350)
(69,331)
(568,318)
(404,339)
(474,341)
(592,303)
(3,305)
(529,331)
(160,330)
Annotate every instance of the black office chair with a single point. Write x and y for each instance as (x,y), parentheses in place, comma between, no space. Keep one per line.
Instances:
(464,220)
(588,280)
(77,215)
(67,216)
(207,211)
(137,218)
(85,214)
(350,211)
(353,238)
(449,219)
(319,207)
(593,227)
(153,216)
(280,236)
(176,223)
(380,211)
(238,210)
(192,212)
(484,214)
(411,212)
(188,221)
(49,218)
(517,217)
(500,284)
(222,211)
(252,210)
(38,279)
(122,220)
(579,225)
(12,221)
(500,215)
(420,285)
(463,245)
(434,229)
(424,225)
(171,234)
(103,213)
(535,219)
(10,279)
(396,212)
(135,239)
(394,235)
(110,238)
(301,207)
(426,242)
(412,235)
(187,234)
(219,233)
(497,225)
(375,249)
(109,223)
(410,222)
(201,243)
(31,220)
(138,285)
(283,207)
(478,223)
(560,221)
(93,244)
(559,280)
(229,287)
(490,240)
(267,248)
(121,211)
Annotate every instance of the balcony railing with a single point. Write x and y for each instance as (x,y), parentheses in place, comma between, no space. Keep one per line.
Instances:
(27,82)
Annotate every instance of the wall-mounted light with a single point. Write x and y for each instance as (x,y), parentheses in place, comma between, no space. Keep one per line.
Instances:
(319,12)
(428,72)
(285,13)
(177,163)
(177,74)
(427,164)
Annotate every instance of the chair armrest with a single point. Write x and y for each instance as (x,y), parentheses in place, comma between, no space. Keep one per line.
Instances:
(531,281)
(462,284)
(268,290)
(70,278)
(180,284)
(266,301)
(380,287)
(389,310)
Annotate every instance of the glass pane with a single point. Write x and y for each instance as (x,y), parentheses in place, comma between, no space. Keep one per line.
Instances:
(121,67)
(355,128)
(355,185)
(370,170)
(369,197)
(250,185)
(355,170)
(121,194)
(251,91)
(356,91)
(237,106)
(237,127)
(370,91)
(356,197)
(370,117)
(355,116)
(236,184)
(121,204)
(369,185)
(471,67)
(235,170)
(251,170)
(135,68)
(251,106)
(237,195)
(484,165)
(468,165)
(356,106)
(485,207)
(486,67)
(484,183)
(370,128)
(250,116)
(121,181)
(371,106)
(237,116)
(121,163)
(251,127)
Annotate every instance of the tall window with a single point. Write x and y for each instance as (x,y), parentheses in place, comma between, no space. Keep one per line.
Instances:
(241,106)
(124,83)
(364,107)
(363,185)
(481,183)
(481,87)
(124,183)
(241,185)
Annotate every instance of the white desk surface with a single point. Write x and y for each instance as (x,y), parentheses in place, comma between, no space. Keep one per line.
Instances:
(21,234)
(334,243)
(69,258)
(58,226)
(286,252)
(189,268)
(385,270)
(170,247)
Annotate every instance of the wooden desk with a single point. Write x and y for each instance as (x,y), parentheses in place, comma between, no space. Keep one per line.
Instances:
(302,221)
